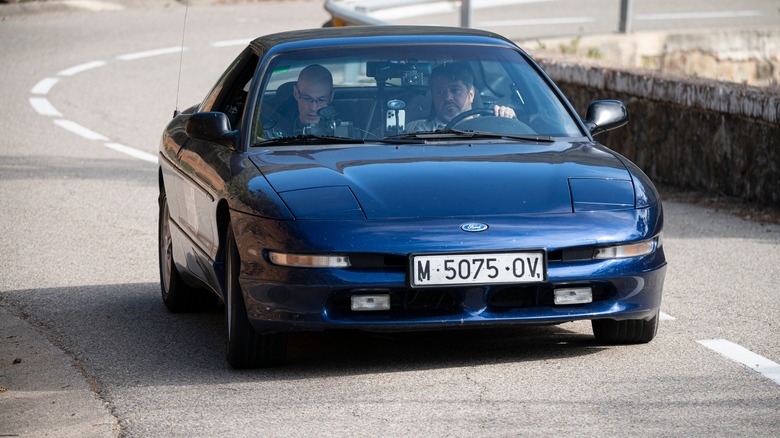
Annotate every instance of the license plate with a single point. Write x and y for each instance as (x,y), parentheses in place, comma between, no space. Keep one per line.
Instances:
(474,269)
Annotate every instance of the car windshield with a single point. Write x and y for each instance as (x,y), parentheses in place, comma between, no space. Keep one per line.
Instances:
(403,92)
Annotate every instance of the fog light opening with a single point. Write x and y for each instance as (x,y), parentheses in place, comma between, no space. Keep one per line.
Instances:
(573,295)
(370,303)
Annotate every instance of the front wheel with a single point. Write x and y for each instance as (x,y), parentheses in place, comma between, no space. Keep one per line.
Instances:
(175,294)
(631,331)
(245,347)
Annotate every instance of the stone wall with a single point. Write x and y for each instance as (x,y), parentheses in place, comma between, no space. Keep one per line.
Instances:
(716,137)
(743,56)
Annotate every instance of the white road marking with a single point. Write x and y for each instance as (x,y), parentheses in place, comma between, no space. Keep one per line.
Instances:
(666,317)
(44,86)
(94,5)
(81,68)
(432,8)
(133,152)
(230,43)
(484,4)
(149,53)
(538,22)
(80,130)
(698,15)
(391,14)
(44,107)
(737,353)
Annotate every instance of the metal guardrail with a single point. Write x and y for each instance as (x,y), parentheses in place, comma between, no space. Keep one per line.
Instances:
(355,13)
(349,15)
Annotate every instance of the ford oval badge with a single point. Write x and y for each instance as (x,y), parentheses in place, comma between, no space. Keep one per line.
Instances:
(474,227)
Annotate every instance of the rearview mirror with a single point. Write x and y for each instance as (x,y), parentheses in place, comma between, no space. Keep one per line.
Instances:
(211,126)
(605,115)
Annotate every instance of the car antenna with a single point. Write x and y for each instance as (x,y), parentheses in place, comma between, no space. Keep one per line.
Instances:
(181,57)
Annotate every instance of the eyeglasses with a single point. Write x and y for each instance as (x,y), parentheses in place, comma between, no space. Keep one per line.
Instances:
(320,101)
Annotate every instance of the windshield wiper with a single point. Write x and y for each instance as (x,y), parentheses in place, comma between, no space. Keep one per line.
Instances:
(398,139)
(308,139)
(525,137)
(457,133)
(424,135)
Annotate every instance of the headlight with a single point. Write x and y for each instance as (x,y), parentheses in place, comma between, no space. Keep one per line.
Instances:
(631,250)
(309,261)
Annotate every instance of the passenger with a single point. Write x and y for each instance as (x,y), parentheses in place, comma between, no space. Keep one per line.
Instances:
(312,92)
(452,93)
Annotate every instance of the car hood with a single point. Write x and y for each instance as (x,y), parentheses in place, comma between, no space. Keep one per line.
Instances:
(445,180)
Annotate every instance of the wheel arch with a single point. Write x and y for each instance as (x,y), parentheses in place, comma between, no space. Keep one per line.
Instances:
(223,222)
(160,184)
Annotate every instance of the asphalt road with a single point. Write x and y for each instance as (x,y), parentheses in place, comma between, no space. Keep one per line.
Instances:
(98,355)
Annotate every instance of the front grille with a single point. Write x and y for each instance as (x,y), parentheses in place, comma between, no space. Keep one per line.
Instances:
(571,255)
(377,261)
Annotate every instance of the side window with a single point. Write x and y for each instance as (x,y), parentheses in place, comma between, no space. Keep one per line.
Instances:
(229,96)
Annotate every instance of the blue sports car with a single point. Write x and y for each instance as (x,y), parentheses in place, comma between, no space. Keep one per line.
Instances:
(402,178)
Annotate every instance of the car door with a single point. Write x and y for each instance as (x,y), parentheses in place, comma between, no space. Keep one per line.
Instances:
(206,167)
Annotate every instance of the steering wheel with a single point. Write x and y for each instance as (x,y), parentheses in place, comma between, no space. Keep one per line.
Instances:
(472,112)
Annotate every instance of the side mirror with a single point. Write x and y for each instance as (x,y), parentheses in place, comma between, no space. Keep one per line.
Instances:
(212,127)
(605,115)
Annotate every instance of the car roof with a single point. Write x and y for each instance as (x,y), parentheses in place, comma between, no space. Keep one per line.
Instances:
(377,34)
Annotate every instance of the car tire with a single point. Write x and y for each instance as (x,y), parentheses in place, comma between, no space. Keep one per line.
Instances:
(175,294)
(245,348)
(631,331)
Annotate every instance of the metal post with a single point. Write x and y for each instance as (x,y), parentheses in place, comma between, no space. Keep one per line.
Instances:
(626,12)
(465,13)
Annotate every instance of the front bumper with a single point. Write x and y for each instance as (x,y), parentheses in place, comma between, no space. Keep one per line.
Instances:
(286,307)
(283,299)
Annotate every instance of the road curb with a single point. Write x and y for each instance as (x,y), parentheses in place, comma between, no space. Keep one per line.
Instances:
(41,390)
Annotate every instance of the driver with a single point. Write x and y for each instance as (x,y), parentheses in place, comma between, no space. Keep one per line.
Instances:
(452,93)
